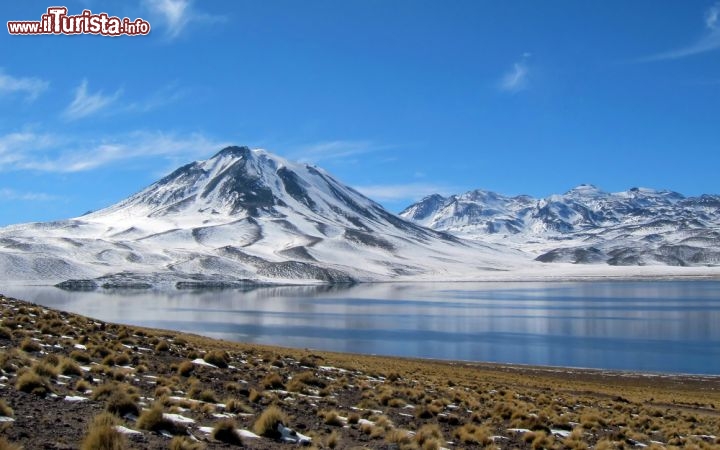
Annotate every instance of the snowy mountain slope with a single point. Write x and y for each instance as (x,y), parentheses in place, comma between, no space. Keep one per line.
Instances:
(242,215)
(585,225)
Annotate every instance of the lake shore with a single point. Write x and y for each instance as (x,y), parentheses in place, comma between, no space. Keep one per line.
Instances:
(82,368)
(530,272)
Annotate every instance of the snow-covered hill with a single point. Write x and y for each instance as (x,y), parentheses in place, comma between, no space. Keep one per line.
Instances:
(585,225)
(242,215)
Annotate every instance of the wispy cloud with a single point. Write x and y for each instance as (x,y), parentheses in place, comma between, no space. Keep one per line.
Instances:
(165,96)
(66,154)
(85,104)
(516,79)
(11,194)
(408,191)
(32,87)
(335,150)
(711,17)
(709,41)
(14,146)
(176,15)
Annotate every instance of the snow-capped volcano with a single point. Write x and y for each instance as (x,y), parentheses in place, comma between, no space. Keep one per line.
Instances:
(242,214)
(585,225)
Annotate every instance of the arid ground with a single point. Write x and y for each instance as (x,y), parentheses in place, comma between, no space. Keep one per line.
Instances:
(71,382)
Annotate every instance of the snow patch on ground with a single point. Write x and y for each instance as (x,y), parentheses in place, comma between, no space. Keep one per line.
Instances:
(202,362)
(123,430)
(248,434)
(177,418)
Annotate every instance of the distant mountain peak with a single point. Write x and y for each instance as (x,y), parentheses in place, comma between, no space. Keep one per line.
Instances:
(585,188)
(433,197)
(233,150)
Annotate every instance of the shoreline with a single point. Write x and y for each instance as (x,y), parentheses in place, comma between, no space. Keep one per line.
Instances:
(261,284)
(42,294)
(507,366)
(537,273)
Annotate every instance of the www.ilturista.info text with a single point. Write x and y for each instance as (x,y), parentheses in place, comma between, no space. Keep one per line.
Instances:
(56,21)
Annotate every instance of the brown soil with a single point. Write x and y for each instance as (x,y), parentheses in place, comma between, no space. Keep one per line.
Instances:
(467,405)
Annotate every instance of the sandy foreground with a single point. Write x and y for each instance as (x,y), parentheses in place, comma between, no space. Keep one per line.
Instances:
(71,382)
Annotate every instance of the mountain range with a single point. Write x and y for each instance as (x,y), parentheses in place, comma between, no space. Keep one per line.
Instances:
(242,216)
(246,217)
(585,225)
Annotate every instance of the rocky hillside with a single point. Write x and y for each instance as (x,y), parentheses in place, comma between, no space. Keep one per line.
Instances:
(585,225)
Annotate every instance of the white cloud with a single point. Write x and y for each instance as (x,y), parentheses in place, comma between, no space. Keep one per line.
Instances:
(174,12)
(516,79)
(711,16)
(11,194)
(165,96)
(177,14)
(12,145)
(408,191)
(85,104)
(65,154)
(710,41)
(335,150)
(32,87)
(707,43)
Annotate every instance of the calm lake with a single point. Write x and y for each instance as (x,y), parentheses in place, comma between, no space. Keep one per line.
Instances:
(659,326)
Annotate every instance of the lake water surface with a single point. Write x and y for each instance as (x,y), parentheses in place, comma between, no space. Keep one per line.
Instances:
(660,326)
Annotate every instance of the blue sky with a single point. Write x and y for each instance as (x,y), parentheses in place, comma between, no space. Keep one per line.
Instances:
(397,98)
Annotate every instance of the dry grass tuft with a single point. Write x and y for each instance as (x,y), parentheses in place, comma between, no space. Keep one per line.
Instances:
(331,418)
(32,383)
(30,346)
(429,433)
(471,434)
(605,444)
(234,406)
(427,411)
(217,358)
(121,404)
(5,409)
(541,440)
(303,381)
(69,367)
(103,436)
(162,346)
(401,438)
(333,440)
(254,396)
(5,333)
(267,424)
(226,431)
(105,391)
(81,357)
(272,381)
(206,395)
(183,443)
(153,420)
(7,445)
(82,386)
(45,369)
(185,368)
